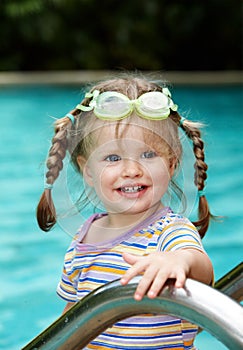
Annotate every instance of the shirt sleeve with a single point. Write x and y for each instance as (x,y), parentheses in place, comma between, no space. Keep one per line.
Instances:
(66,289)
(179,233)
(67,286)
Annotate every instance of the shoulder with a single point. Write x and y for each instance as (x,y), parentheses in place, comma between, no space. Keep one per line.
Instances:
(170,219)
(178,220)
(76,245)
(177,232)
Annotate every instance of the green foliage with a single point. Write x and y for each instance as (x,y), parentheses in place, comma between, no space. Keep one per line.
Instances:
(120,34)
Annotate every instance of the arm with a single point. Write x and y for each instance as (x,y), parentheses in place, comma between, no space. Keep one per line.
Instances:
(159,266)
(67,307)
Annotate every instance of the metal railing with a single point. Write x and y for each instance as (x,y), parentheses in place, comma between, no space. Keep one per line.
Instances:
(205,306)
(231,284)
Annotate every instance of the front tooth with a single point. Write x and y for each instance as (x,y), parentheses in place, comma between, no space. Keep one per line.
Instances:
(128,189)
(132,189)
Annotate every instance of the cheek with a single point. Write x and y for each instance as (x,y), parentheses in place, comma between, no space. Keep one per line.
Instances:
(91,173)
(104,175)
(159,171)
(162,177)
(161,181)
(109,174)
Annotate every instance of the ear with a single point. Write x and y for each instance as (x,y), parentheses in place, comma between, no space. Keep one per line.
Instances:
(173,164)
(85,170)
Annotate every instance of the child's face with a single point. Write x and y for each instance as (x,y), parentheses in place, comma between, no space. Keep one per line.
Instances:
(128,175)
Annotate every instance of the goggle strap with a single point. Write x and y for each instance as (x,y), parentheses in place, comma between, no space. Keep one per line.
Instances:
(92,103)
(166,92)
(93,94)
(174,107)
(84,108)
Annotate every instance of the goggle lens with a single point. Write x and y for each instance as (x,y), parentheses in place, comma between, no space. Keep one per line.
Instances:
(112,105)
(154,105)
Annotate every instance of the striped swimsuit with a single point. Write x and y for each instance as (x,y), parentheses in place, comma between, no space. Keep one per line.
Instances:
(89,266)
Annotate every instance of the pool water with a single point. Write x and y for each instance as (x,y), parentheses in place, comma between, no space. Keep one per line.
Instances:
(31,261)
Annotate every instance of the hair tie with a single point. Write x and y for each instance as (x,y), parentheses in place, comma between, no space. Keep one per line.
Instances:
(182,121)
(71,117)
(48,186)
(201,193)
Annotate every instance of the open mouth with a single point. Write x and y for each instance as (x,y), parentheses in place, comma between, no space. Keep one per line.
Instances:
(132,189)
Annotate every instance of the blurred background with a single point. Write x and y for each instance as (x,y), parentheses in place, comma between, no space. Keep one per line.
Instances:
(48,49)
(113,34)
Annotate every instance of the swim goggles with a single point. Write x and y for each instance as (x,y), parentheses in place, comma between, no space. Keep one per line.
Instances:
(112,105)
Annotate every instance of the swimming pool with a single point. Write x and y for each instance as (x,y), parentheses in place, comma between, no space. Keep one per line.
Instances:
(31,261)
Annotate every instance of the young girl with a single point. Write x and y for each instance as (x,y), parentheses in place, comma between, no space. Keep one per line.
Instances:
(123,139)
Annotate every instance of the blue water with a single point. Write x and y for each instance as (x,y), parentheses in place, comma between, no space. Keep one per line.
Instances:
(31,261)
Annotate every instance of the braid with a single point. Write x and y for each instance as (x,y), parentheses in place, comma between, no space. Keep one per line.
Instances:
(198,149)
(46,213)
(200,175)
(56,155)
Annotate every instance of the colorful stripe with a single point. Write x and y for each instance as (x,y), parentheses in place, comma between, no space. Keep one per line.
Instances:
(87,267)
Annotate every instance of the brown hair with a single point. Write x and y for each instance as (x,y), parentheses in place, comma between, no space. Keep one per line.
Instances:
(74,139)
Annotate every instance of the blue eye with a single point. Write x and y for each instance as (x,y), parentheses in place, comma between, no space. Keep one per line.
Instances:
(113,158)
(149,154)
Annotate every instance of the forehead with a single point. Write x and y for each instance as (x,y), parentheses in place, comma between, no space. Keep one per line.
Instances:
(130,131)
(119,134)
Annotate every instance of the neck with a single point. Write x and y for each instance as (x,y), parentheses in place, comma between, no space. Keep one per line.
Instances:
(125,220)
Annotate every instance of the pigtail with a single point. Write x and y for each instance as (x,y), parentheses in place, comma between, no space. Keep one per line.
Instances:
(46,213)
(200,176)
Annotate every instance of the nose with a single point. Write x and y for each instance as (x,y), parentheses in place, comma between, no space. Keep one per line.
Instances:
(132,168)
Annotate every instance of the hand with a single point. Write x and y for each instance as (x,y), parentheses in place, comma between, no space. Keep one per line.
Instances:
(156,269)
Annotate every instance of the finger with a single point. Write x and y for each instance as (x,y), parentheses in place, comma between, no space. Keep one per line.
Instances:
(157,285)
(180,280)
(131,259)
(138,267)
(160,281)
(145,282)
(132,272)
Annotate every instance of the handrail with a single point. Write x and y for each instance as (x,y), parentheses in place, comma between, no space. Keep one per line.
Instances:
(231,283)
(203,305)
